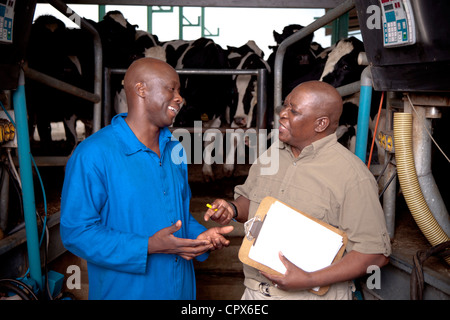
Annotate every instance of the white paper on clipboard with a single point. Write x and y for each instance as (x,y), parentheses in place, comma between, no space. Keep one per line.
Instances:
(304,242)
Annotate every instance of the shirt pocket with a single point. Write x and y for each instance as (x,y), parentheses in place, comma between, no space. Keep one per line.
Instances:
(265,186)
(313,204)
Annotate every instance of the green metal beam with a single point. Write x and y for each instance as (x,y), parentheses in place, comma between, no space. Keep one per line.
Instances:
(150,11)
(340,28)
(101,12)
(184,22)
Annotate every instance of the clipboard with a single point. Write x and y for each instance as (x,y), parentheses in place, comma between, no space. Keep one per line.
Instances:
(255,227)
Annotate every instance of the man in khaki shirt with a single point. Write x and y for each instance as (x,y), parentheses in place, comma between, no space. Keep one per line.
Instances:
(320,177)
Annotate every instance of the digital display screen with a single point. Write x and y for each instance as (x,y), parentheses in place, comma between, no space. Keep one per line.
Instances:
(388,7)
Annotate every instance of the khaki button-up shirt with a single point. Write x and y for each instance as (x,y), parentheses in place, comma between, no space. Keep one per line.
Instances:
(326,181)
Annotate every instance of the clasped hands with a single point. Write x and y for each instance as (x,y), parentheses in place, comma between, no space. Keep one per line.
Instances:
(164,241)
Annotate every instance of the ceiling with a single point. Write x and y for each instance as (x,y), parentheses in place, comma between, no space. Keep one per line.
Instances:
(218,3)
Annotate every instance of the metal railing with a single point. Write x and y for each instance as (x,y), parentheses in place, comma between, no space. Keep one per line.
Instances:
(261,75)
(304,32)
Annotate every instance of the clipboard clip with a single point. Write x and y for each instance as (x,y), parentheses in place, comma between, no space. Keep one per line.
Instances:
(252,227)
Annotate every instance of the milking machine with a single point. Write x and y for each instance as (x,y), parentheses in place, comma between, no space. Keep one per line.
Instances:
(409,59)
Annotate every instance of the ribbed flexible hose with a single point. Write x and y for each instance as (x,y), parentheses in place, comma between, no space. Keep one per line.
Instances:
(410,183)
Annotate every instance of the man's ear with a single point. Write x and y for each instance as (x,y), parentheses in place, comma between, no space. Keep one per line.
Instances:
(139,88)
(322,124)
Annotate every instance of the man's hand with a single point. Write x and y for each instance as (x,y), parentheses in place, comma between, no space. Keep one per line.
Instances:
(164,241)
(354,264)
(293,279)
(215,236)
(220,212)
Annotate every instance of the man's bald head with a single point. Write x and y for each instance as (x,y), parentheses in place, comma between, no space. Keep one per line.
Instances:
(145,70)
(326,100)
(152,88)
(311,112)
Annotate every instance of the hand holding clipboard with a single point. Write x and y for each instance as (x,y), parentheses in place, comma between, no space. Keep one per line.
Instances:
(307,242)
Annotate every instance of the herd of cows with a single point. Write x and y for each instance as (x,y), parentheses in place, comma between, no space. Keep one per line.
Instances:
(228,100)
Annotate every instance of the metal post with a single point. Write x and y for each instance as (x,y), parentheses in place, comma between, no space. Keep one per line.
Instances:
(364,114)
(180,23)
(202,22)
(390,195)
(26,178)
(422,160)
(262,99)
(151,11)
(340,28)
(150,19)
(101,12)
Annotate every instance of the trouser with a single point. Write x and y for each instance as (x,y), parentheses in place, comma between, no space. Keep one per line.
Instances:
(256,290)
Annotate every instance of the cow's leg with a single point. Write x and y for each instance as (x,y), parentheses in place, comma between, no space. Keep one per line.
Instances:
(210,144)
(44,129)
(207,171)
(230,151)
(71,132)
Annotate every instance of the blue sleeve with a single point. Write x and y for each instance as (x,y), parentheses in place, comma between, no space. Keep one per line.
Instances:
(195,229)
(83,230)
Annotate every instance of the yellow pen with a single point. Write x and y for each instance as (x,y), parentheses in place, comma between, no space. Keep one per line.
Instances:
(210,206)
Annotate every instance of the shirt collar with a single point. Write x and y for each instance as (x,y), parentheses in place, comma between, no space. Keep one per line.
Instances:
(128,140)
(314,148)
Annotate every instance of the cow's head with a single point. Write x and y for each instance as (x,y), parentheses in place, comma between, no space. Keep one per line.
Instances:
(299,53)
(118,40)
(342,65)
(207,96)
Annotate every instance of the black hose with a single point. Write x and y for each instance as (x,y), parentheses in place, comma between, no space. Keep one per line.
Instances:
(18,287)
(417,280)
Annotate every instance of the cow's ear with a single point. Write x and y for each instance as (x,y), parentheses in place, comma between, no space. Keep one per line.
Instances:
(322,124)
(139,88)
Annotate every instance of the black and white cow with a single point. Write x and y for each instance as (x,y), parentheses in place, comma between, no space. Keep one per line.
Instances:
(149,45)
(206,97)
(342,65)
(63,54)
(118,38)
(246,57)
(301,60)
(242,112)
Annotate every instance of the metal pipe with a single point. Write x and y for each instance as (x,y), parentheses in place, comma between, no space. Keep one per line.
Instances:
(390,194)
(253,72)
(98,56)
(218,71)
(279,57)
(26,177)
(364,114)
(262,99)
(422,159)
(107,116)
(60,85)
(203,129)
(349,89)
(260,73)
